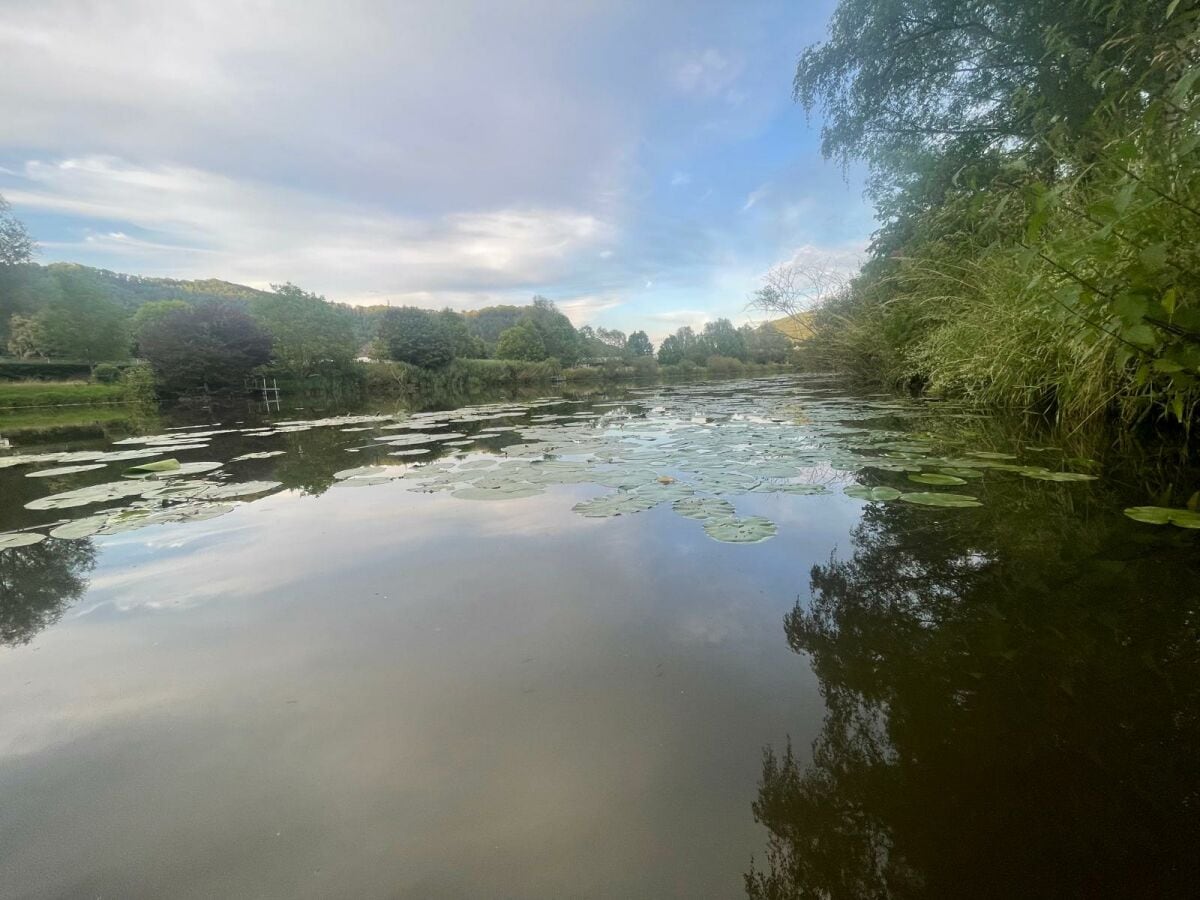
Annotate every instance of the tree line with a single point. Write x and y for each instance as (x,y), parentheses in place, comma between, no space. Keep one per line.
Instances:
(1034,170)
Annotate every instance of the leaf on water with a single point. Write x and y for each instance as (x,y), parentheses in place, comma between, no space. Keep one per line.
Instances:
(237,489)
(740,530)
(162,465)
(936,478)
(20,539)
(264,454)
(923,498)
(866,492)
(990,454)
(369,472)
(1164,515)
(962,473)
(79,528)
(96,493)
(703,508)
(64,470)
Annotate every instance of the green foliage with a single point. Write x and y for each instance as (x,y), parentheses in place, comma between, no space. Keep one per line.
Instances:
(16,246)
(309,334)
(639,344)
(1036,172)
(210,348)
(106,373)
(415,336)
(14,395)
(522,341)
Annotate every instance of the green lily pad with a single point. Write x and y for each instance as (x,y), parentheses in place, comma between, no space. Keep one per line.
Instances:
(924,498)
(162,465)
(958,472)
(79,528)
(64,470)
(990,454)
(12,539)
(614,505)
(703,508)
(96,493)
(1164,515)
(936,478)
(740,530)
(866,492)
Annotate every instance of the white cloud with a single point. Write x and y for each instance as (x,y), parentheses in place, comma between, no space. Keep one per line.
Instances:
(754,196)
(680,179)
(203,223)
(581,310)
(707,73)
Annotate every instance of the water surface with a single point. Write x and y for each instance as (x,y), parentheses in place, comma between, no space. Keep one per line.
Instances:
(534,659)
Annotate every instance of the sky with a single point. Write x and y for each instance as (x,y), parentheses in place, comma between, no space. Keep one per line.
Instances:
(642,164)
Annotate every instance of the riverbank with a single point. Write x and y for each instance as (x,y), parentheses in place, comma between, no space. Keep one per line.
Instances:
(37,394)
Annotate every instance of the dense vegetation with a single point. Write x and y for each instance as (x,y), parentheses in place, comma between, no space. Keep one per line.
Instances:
(1034,168)
(71,321)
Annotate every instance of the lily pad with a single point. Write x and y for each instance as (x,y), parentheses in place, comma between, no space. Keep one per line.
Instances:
(1164,515)
(867,492)
(740,530)
(935,499)
(162,465)
(936,478)
(263,454)
(12,539)
(703,508)
(64,470)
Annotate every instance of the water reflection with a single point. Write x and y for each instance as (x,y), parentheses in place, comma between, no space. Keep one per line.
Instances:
(38,583)
(1013,709)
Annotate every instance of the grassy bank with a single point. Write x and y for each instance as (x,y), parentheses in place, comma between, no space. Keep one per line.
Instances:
(28,394)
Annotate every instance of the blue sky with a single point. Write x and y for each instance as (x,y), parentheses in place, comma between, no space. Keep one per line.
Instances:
(640,163)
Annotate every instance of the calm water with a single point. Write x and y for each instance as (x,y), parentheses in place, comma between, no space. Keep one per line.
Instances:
(455,672)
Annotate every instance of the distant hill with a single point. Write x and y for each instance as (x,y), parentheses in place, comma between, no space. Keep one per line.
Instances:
(131,291)
(798,329)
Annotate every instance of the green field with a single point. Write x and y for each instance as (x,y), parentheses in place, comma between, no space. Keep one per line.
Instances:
(24,394)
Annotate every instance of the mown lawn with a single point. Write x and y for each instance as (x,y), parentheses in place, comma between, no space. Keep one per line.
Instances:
(21,394)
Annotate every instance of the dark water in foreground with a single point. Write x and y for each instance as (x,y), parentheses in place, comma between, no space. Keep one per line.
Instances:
(439,680)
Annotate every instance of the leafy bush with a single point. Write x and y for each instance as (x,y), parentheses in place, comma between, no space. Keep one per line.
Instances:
(105,373)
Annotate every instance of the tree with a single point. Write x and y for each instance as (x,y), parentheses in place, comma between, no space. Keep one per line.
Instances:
(639,344)
(677,347)
(488,323)
(766,343)
(722,339)
(612,338)
(212,348)
(559,337)
(522,341)
(308,333)
(794,289)
(416,336)
(27,337)
(82,323)
(466,345)
(16,246)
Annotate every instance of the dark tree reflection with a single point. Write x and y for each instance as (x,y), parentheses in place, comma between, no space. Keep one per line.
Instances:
(38,583)
(1013,709)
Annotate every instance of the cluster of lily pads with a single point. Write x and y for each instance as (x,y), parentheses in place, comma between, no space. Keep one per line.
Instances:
(691,447)
(694,448)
